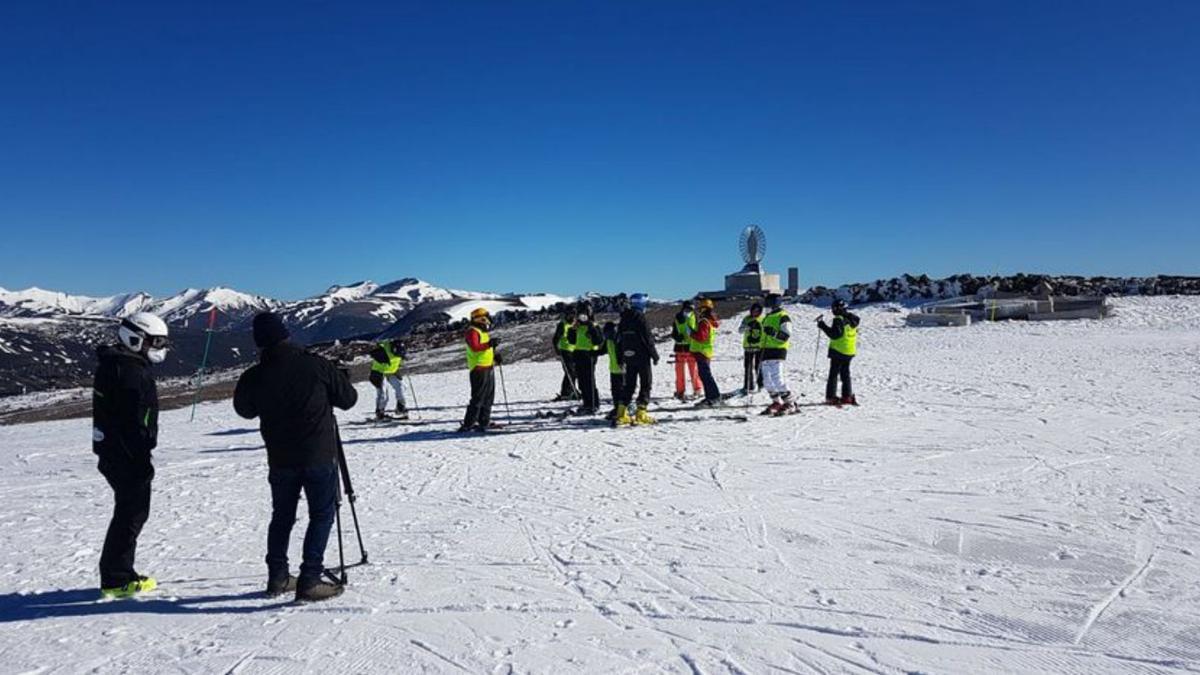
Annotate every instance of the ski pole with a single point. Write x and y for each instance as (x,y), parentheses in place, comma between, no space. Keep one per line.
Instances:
(412,390)
(504,392)
(812,374)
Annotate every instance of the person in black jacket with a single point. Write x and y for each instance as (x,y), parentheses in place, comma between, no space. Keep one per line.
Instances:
(569,391)
(637,352)
(843,345)
(293,394)
(124,432)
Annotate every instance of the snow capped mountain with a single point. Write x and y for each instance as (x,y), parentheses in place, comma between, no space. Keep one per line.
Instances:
(35,302)
(188,303)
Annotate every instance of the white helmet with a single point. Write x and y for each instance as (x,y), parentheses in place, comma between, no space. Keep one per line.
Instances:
(145,333)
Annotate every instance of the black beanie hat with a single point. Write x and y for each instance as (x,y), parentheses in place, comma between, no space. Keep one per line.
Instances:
(269,330)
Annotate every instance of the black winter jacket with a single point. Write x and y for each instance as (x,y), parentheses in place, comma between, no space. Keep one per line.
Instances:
(636,344)
(293,392)
(124,409)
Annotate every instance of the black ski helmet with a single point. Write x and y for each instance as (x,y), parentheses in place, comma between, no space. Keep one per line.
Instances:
(773,300)
(756,309)
(838,306)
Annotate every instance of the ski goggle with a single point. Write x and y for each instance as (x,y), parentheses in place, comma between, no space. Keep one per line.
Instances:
(157,341)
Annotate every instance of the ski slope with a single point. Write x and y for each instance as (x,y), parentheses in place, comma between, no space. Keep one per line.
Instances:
(1012,497)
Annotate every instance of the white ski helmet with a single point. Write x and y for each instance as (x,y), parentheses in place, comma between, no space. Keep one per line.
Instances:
(145,333)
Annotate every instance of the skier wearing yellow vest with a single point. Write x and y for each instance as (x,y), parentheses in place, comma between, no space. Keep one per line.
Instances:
(616,369)
(481,357)
(843,345)
(569,391)
(777,337)
(685,364)
(701,342)
(386,360)
(587,342)
(752,339)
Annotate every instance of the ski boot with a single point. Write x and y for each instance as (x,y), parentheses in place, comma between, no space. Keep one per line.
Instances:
(319,591)
(710,403)
(642,417)
(401,412)
(849,400)
(776,408)
(380,415)
(833,401)
(142,584)
(613,414)
(681,397)
(622,419)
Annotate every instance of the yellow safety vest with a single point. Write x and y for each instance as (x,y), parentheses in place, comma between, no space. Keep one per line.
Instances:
(485,358)
(394,362)
(684,329)
(614,368)
(583,341)
(564,341)
(848,343)
(775,320)
(705,347)
(753,339)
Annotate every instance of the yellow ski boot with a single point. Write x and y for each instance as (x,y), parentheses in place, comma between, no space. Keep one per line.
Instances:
(642,417)
(622,419)
(141,585)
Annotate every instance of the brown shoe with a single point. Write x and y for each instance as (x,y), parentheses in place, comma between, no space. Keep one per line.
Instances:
(318,592)
(280,585)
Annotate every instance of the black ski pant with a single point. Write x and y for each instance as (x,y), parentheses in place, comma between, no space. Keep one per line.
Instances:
(616,383)
(752,379)
(568,388)
(585,376)
(483,394)
(131,507)
(319,482)
(839,366)
(635,372)
(711,391)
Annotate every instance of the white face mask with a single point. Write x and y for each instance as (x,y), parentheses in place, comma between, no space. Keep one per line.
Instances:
(583,318)
(156,355)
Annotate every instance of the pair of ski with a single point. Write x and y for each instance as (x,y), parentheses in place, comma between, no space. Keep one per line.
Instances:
(391,421)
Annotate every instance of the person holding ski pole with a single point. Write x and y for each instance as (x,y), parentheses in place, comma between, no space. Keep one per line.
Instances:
(616,368)
(569,390)
(124,432)
(481,359)
(386,360)
(843,345)
(293,393)
(586,341)
(636,348)
(685,363)
(776,338)
(701,342)
(752,339)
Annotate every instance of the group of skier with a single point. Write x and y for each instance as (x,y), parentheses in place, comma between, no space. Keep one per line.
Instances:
(293,392)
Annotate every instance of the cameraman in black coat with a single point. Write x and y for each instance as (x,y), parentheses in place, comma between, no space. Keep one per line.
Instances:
(293,393)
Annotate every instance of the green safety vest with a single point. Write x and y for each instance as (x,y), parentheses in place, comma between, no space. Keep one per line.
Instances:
(848,343)
(564,342)
(394,362)
(614,368)
(775,320)
(706,347)
(583,341)
(684,329)
(484,358)
(753,339)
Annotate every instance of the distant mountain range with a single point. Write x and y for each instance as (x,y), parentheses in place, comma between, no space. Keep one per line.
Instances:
(48,338)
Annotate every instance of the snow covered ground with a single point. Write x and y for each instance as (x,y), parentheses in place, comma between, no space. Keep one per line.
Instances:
(1011,497)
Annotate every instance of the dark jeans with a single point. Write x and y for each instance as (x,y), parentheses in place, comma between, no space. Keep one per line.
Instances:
(711,391)
(635,372)
(320,485)
(752,364)
(131,507)
(483,395)
(567,390)
(839,366)
(585,377)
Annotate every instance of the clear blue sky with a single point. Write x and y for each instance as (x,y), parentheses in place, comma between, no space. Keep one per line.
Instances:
(571,146)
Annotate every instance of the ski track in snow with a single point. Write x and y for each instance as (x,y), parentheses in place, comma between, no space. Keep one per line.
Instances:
(1012,498)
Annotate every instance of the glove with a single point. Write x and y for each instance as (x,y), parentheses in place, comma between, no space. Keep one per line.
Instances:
(821,323)
(654,360)
(494,342)
(498,359)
